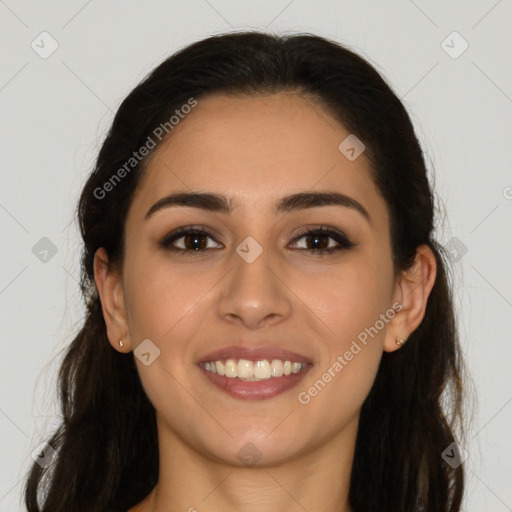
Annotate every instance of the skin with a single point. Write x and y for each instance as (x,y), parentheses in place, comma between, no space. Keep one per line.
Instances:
(255,151)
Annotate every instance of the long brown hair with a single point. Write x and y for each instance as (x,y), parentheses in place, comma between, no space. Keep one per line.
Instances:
(107,451)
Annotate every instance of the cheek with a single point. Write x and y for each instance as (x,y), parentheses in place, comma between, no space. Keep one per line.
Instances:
(350,303)
(348,298)
(351,300)
(166,306)
(159,299)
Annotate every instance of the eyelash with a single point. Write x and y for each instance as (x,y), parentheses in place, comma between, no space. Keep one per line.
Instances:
(340,238)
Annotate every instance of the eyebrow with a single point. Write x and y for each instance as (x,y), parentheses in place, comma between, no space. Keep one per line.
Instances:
(220,203)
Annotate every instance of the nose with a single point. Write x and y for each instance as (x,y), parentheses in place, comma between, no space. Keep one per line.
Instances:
(254,294)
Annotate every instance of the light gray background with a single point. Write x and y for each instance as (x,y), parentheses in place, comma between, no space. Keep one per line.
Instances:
(55,111)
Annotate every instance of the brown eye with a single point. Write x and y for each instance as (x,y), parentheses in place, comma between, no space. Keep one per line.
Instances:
(317,241)
(189,240)
(194,241)
(320,241)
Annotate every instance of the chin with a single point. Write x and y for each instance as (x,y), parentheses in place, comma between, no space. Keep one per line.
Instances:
(257,451)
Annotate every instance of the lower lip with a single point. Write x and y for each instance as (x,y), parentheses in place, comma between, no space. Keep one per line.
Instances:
(256,390)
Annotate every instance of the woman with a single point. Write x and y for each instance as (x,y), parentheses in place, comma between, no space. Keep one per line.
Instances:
(258,232)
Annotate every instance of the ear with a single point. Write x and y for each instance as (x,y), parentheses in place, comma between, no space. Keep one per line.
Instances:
(412,290)
(110,289)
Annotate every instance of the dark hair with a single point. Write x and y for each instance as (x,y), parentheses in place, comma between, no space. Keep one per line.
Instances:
(107,451)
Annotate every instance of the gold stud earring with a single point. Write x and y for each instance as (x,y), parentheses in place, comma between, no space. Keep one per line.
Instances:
(399,342)
(121,344)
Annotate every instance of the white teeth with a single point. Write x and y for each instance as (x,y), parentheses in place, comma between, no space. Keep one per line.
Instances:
(295,367)
(230,369)
(220,367)
(253,371)
(245,369)
(262,370)
(276,367)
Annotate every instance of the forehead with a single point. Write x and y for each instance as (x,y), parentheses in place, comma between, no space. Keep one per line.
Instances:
(256,149)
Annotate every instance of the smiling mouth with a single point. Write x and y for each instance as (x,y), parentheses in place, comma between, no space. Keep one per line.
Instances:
(253,371)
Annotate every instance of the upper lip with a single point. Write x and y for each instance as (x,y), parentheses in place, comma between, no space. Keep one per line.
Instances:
(258,353)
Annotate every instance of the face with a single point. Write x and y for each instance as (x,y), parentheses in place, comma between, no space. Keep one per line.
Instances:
(247,277)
